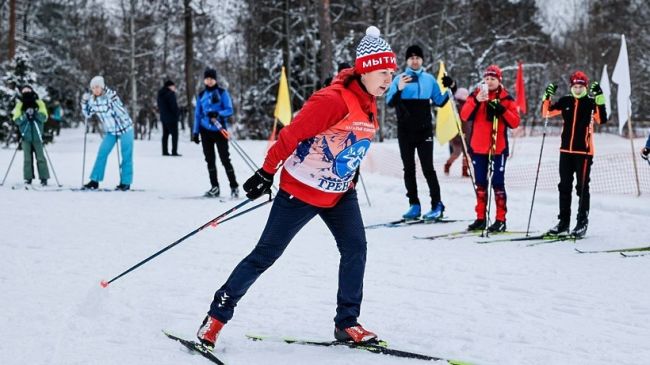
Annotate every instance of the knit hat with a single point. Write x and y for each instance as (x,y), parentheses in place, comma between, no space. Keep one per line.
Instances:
(210,73)
(580,78)
(494,71)
(414,50)
(461,94)
(373,53)
(169,83)
(97,81)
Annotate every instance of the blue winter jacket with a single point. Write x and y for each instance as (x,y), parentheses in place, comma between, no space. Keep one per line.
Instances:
(647,143)
(110,110)
(413,104)
(212,103)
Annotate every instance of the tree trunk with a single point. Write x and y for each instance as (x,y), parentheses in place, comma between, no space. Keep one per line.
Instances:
(325,32)
(286,51)
(132,69)
(12,30)
(189,59)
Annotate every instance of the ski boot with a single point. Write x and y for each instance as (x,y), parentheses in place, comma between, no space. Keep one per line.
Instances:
(580,229)
(478,225)
(435,213)
(560,229)
(91,185)
(497,226)
(123,187)
(209,331)
(28,181)
(413,213)
(356,334)
(234,193)
(43,182)
(212,193)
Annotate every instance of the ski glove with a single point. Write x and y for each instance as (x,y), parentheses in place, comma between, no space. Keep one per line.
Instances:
(447,81)
(495,108)
(258,184)
(195,138)
(550,91)
(595,88)
(644,153)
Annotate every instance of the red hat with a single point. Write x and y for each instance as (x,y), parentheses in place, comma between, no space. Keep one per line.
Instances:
(373,53)
(580,78)
(494,71)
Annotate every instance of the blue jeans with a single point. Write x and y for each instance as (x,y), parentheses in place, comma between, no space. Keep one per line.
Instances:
(105,148)
(288,215)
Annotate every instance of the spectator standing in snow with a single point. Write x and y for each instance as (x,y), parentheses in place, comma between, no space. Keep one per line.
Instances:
(169,115)
(30,113)
(578,111)
(486,103)
(456,144)
(646,150)
(213,107)
(118,127)
(340,118)
(411,93)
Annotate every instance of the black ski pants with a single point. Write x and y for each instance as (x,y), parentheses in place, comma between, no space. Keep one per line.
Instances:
(423,144)
(170,129)
(208,140)
(580,166)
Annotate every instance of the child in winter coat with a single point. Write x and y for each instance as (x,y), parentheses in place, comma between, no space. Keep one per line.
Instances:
(118,126)
(321,151)
(30,113)
(493,111)
(578,111)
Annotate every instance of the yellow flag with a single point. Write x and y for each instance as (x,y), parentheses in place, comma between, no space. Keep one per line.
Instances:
(446,127)
(283,104)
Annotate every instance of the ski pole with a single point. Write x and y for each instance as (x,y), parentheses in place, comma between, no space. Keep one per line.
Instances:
(364,188)
(12,161)
(83,163)
(38,132)
(214,222)
(539,163)
(242,153)
(493,148)
(247,210)
(470,167)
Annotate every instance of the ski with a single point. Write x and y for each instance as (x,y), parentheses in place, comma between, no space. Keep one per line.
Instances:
(462,234)
(545,238)
(629,249)
(634,255)
(196,347)
(103,190)
(379,347)
(405,223)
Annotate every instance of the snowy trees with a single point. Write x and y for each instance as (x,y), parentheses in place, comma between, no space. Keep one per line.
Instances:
(136,44)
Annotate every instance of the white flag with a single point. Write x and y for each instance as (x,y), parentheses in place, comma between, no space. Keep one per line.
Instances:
(621,76)
(607,91)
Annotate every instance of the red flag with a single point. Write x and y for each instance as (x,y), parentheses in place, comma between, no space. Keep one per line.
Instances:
(520,89)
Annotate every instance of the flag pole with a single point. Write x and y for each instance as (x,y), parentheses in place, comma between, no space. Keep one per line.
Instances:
(631,137)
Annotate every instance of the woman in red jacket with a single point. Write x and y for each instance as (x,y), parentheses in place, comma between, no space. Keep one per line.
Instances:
(486,103)
(321,151)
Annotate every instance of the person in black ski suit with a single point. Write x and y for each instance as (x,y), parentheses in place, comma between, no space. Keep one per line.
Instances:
(169,115)
(578,111)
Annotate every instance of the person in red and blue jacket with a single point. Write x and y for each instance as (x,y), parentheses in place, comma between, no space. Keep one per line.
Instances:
(213,107)
(578,111)
(487,102)
(646,150)
(321,151)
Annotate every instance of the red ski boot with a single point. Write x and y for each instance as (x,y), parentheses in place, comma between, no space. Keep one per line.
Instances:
(209,331)
(354,334)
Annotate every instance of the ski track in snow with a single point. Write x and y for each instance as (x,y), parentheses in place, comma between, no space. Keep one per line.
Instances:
(501,303)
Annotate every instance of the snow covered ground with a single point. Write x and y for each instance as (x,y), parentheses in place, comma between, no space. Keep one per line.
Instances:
(489,304)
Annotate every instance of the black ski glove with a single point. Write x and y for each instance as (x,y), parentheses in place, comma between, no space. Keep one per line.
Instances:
(447,81)
(550,91)
(195,138)
(595,88)
(258,184)
(495,108)
(644,153)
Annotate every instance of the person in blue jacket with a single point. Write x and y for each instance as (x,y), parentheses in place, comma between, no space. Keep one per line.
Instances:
(412,93)
(213,107)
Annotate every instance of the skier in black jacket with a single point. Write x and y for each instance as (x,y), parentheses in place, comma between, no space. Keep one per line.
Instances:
(577,147)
